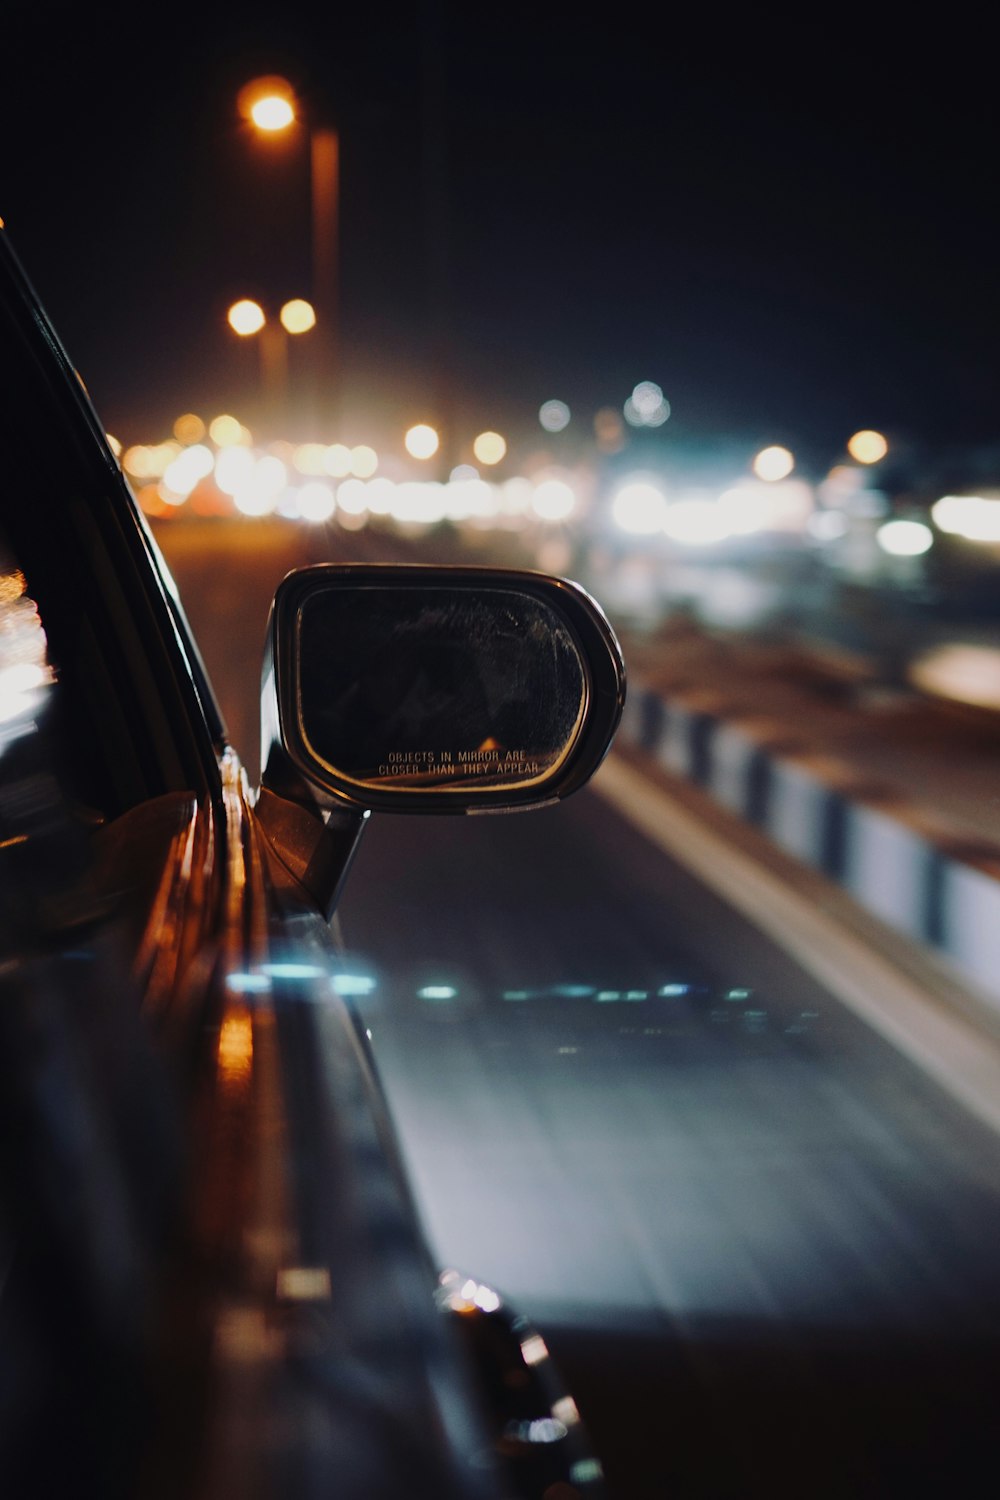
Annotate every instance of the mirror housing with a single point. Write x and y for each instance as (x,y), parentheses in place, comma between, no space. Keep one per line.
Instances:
(427,689)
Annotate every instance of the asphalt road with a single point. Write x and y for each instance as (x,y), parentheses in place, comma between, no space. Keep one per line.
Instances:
(762,1245)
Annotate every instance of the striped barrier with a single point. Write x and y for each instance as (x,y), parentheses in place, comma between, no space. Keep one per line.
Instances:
(917,876)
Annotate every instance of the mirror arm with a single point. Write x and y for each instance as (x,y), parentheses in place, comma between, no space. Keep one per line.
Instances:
(312,845)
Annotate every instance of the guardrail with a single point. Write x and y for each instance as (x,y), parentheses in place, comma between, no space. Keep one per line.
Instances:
(895,858)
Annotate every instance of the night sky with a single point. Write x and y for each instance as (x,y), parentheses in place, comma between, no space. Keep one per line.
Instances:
(793,228)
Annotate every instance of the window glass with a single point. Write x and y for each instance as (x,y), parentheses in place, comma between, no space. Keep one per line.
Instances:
(127,721)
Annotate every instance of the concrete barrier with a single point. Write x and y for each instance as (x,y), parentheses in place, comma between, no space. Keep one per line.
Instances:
(918,878)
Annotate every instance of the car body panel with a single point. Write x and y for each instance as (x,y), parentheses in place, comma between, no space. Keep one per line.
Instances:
(215,1282)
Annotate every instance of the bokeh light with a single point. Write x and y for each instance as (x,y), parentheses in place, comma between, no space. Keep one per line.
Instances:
(973,517)
(316,501)
(337,460)
(609,430)
(905,538)
(268,102)
(640,507)
(554,416)
(189,428)
(246,317)
(553,500)
(149,462)
(489,447)
(259,495)
(272,114)
(297,316)
(233,469)
(422,441)
(867,447)
(364,461)
(310,458)
(696,523)
(647,406)
(225,431)
(773,463)
(352,497)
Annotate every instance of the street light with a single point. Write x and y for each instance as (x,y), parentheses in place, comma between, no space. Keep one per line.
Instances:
(271,106)
(247,319)
(297,316)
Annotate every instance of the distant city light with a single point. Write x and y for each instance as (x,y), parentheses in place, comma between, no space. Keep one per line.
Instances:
(904,538)
(647,406)
(696,523)
(419,503)
(608,429)
(422,441)
(867,447)
(184,472)
(258,496)
(827,525)
(114,444)
(316,501)
(554,415)
(973,517)
(378,496)
(489,447)
(270,475)
(462,472)
(297,316)
(189,428)
(246,317)
(337,460)
(233,469)
(753,506)
(226,431)
(144,462)
(352,497)
(364,461)
(309,458)
(774,463)
(640,507)
(553,500)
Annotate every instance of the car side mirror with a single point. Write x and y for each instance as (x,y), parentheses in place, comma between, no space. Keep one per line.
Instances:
(425,689)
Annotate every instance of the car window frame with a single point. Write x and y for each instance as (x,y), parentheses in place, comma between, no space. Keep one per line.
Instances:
(126,593)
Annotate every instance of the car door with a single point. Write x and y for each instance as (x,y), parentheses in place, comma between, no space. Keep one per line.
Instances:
(213,1281)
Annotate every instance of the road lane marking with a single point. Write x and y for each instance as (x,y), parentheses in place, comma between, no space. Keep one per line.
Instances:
(945,1045)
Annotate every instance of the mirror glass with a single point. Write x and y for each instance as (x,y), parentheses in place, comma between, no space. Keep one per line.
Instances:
(437,688)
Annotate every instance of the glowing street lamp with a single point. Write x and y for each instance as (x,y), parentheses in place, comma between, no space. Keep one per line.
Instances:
(247,319)
(270,105)
(297,316)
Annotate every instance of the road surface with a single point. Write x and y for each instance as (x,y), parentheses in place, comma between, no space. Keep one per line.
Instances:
(760,1241)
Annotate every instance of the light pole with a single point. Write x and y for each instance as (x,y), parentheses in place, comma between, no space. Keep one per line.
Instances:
(248,319)
(271,107)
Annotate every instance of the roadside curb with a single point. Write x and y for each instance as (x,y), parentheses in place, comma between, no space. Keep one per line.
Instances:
(896,859)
